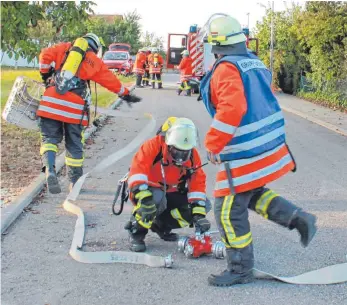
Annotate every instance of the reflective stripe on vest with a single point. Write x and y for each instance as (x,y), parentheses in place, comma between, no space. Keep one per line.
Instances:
(262,127)
(256,175)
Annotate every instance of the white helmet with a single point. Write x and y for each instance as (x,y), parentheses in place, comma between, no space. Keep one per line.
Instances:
(93,41)
(185,53)
(181,138)
(225,30)
(154,50)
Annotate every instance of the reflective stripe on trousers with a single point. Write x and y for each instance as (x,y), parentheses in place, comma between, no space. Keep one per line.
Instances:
(232,221)
(175,213)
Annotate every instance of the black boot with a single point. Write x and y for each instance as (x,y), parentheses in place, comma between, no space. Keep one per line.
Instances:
(138,81)
(286,214)
(240,265)
(74,173)
(137,236)
(51,176)
(305,223)
(163,233)
(179,91)
(189,92)
(153,85)
(160,85)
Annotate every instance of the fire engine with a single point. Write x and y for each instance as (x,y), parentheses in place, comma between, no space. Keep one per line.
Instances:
(199,51)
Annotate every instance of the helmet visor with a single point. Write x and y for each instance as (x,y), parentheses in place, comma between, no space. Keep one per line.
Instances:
(179,156)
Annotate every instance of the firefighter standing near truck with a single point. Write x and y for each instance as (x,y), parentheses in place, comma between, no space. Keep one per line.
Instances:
(139,66)
(247,141)
(146,77)
(186,69)
(166,193)
(64,106)
(156,63)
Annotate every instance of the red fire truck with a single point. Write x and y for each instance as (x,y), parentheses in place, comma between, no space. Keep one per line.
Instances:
(198,50)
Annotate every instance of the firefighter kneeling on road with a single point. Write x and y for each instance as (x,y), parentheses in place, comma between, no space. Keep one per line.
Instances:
(163,163)
(156,63)
(186,70)
(247,139)
(64,107)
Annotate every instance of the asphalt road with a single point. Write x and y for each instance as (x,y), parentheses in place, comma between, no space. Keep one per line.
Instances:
(37,269)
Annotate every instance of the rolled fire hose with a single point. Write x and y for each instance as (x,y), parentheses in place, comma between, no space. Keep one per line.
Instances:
(107,257)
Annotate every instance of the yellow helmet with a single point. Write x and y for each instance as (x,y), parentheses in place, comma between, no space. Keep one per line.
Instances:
(225,30)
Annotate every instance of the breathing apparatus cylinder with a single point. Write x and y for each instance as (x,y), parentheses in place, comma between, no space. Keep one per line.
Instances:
(71,65)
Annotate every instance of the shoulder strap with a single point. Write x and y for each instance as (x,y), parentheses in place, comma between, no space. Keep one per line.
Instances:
(158,157)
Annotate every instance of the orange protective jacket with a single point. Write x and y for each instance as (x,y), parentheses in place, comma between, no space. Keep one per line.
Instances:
(186,68)
(156,63)
(147,61)
(143,171)
(140,63)
(70,107)
(228,97)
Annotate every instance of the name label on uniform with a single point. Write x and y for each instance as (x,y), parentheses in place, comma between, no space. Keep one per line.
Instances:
(248,64)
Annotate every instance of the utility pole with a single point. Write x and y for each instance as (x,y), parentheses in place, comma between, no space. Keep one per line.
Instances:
(272,39)
(247,20)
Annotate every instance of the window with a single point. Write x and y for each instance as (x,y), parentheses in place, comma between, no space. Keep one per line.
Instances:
(116,56)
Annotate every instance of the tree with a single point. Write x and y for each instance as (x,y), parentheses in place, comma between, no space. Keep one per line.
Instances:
(19,19)
(128,30)
(322,31)
(151,40)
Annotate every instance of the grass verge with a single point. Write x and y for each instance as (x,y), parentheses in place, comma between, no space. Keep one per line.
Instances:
(20,159)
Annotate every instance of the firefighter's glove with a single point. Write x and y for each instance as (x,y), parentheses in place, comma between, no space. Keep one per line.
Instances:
(200,222)
(145,209)
(47,77)
(130,98)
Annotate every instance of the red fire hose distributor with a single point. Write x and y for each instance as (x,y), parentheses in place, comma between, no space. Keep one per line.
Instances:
(201,244)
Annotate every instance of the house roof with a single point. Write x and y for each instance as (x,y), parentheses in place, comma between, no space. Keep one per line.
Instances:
(109,18)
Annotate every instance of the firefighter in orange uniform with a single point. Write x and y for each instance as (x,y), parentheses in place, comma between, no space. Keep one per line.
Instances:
(139,67)
(186,69)
(156,63)
(164,163)
(247,140)
(146,77)
(64,107)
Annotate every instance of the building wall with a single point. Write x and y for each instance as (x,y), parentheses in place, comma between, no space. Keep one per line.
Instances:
(21,62)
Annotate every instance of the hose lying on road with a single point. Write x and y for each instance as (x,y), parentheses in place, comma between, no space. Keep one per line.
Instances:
(328,275)
(106,257)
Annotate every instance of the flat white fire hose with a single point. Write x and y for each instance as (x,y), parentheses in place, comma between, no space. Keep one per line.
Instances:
(107,257)
(327,275)
(334,274)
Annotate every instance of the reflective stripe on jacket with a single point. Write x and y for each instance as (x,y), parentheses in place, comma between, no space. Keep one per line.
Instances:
(67,107)
(156,62)
(143,171)
(140,63)
(186,69)
(248,126)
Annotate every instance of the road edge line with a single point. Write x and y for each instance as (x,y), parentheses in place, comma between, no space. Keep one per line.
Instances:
(329,126)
